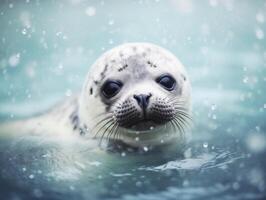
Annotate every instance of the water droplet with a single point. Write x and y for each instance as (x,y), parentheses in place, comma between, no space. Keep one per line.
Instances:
(31,176)
(24,169)
(145,149)
(260,17)
(68,93)
(151,128)
(46,155)
(123,154)
(213,107)
(111,22)
(24,31)
(205,144)
(90,11)
(245,79)
(256,142)
(111,41)
(259,33)
(137,138)
(58,34)
(60,66)
(14,60)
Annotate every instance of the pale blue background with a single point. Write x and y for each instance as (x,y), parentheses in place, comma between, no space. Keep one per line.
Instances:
(48,46)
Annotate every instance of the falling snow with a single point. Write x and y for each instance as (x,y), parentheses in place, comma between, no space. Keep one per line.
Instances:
(14,60)
(47,49)
(205,144)
(24,31)
(256,142)
(260,17)
(259,33)
(146,149)
(68,92)
(111,22)
(90,11)
(31,176)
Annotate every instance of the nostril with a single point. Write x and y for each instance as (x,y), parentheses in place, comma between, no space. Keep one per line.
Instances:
(148,96)
(138,98)
(143,100)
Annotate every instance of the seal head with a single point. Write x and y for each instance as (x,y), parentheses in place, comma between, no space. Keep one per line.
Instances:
(137,93)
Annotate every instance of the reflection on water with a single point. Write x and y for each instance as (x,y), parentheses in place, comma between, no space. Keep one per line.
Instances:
(45,167)
(46,49)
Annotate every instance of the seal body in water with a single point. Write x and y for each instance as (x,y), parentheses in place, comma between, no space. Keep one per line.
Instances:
(137,94)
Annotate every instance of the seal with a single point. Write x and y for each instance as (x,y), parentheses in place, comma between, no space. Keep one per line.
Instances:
(136,94)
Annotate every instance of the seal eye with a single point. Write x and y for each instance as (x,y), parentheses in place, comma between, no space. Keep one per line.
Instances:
(111,88)
(167,81)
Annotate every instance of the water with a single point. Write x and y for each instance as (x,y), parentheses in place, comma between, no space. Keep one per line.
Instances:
(46,50)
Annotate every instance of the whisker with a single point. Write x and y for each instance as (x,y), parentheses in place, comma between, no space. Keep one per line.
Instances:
(184,113)
(102,120)
(178,98)
(98,124)
(116,135)
(115,131)
(180,127)
(102,137)
(169,100)
(174,127)
(177,102)
(103,113)
(110,121)
(183,121)
(111,131)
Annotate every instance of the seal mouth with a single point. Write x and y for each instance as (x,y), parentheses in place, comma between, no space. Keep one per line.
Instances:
(144,125)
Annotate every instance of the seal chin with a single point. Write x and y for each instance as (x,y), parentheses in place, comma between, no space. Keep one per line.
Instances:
(144,126)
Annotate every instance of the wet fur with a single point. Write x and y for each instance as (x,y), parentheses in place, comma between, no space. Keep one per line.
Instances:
(91,115)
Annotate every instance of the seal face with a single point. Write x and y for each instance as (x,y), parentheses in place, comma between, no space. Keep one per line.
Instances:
(137,93)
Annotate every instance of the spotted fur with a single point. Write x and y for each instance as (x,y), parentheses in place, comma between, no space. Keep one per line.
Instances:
(136,65)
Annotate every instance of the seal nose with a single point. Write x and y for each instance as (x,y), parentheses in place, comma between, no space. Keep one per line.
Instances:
(143,100)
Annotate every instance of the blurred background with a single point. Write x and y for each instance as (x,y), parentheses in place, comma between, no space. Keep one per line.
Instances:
(48,46)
